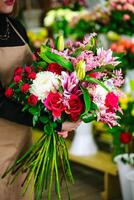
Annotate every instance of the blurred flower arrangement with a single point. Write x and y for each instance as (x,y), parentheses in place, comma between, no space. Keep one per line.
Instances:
(123,135)
(63,21)
(127,47)
(74,4)
(75,24)
(121,17)
(37,37)
(115,16)
(121,138)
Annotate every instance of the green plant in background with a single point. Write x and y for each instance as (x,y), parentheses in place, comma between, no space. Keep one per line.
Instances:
(74,4)
(126,47)
(121,18)
(123,136)
(76,32)
(70,23)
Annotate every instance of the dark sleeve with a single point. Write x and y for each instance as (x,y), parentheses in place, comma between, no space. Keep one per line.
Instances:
(20,27)
(12,111)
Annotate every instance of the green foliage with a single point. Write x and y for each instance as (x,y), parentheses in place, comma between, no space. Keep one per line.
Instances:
(89,117)
(117,24)
(87,100)
(126,122)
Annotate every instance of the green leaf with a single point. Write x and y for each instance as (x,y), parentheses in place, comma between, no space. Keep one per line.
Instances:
(25,107)
(42,64)
(44,119)
(35,119)
(109,67)
(45,58)
(87,100)
(94,106)
(45,48)
(94,80)
(34,110)
(12,84)
(77,52)
(89,117)
(48,129)
(60,60)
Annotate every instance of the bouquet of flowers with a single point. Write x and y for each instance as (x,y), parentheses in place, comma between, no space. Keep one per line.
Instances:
(126,47)
(122,16)
(74,4)
(60,20)
(78,82)
(123,135)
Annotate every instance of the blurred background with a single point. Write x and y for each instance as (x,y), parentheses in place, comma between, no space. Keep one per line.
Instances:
(94,149)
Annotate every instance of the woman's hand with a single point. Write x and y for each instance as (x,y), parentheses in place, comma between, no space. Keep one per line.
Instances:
(68,126)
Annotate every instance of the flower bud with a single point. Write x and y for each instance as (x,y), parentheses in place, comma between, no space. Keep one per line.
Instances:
(60,43)
(80,69)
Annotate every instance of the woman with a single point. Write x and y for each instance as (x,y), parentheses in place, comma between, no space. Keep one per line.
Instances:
(15,131)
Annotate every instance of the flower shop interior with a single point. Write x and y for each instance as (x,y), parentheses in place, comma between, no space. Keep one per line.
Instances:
(100,154)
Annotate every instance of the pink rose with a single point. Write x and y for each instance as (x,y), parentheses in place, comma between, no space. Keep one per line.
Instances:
(55,104)
(111,101)
(126,17)
(17,78)
(119,7)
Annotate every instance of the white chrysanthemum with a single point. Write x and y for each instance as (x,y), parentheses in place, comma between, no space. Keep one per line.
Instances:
(44,83)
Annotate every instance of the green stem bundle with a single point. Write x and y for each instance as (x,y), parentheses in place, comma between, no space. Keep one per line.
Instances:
(41,162)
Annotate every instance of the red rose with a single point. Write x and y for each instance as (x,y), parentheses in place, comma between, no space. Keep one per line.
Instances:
(111,101)
(93,74)
(125,137)
(32,100)
(27,69)
(9,92)
(18,71)
(55,68)
(32,75)
(75,107)
(54,103)
(17,78)
(25,87)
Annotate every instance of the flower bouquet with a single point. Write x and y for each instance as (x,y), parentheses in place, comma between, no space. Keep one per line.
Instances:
(78,82)
(60,20)
(122,16)
(123,134)
(74,4)
(126,47)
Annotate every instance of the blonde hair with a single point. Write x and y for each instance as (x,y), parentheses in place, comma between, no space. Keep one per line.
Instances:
(15,9)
